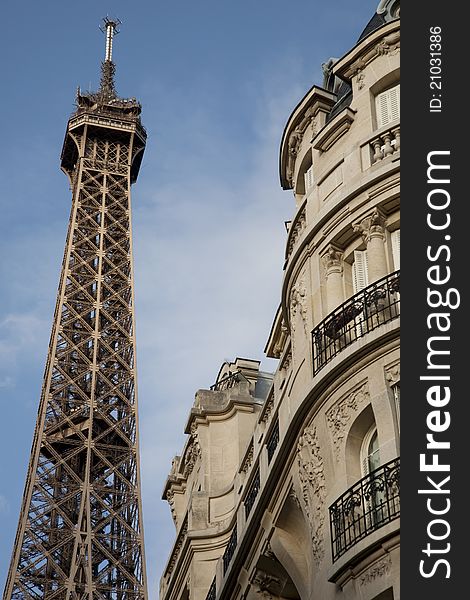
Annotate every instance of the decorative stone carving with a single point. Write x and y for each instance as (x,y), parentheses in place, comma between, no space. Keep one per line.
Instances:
(298,303)
(339,415)
(371,226)
(170,497)
(248,459)
(193,452)
(392,374)
(177,548)
(333,260)
(268,408)
(295,140)
(358,72)
(379,569)
(286,363)
(295,231)
(265,582)
(312,480)
(388,46)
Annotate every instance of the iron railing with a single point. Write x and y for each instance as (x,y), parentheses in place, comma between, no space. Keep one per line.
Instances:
(228,381)
(230,549)
(273,441)
(252,493)
(368,505)
(373,306)
(212,593)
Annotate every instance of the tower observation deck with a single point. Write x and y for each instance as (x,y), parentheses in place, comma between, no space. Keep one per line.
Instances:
(80,531)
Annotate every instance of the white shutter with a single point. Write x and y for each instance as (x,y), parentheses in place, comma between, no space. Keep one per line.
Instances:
(395,237)
(308,178)
(387,106)
(360,271)
(395,103)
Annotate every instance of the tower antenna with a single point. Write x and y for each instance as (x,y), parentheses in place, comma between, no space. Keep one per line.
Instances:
(110,28)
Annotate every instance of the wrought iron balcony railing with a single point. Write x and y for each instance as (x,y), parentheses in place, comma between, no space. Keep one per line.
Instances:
(230,549)
(368,505)
(373,306)
(252,493)
(228,381)
(212,593)
(273,441)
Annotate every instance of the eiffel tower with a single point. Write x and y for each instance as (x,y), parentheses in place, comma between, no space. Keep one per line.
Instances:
(80,528)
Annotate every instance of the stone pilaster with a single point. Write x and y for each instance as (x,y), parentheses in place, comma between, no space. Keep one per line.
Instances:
(333,262)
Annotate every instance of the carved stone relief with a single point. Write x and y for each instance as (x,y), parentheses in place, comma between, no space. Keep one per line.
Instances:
(298,303)
(392,374)
(295,140)
(170,496)
(371,226)
(193,452)
(378,569)
(312,480)
(333,260)
(340,414)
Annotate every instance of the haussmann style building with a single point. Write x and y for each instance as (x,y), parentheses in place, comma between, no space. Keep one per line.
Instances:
(288,485)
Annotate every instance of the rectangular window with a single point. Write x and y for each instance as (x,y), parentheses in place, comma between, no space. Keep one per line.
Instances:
(387,106)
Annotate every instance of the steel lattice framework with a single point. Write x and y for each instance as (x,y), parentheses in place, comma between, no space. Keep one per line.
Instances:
(80,529)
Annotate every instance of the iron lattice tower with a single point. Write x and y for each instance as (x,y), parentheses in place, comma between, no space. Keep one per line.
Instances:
(80,528)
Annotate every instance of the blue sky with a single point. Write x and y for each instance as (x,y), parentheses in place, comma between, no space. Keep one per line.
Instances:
(217,81)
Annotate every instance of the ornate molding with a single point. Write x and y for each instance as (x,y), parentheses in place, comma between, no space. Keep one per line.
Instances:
(170,498)
(312,480)
(295,141)
(295,231)
(298,303)
(248,460)
(333,260)
(379,569)
(268,408)
(339,415)
(392,374)
(193,452)
(177,549)
(357,70)
(371,226)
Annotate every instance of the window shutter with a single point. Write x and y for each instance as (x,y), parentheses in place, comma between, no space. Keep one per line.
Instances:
(360,274)
(387,106)
(395,103)
(395,237)
(308,178)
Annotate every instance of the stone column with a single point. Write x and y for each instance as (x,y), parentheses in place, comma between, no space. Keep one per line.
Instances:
(333,261)
(372,230)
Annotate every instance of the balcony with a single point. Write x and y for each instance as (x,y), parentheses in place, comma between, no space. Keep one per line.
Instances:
(385,144)
(252,494)
(367,506)
(230,549)
(228,382)
(375,305)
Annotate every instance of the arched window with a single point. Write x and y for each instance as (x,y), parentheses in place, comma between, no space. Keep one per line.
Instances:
(370,454)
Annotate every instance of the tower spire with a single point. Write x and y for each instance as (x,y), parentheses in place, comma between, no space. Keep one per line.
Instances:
(108,68)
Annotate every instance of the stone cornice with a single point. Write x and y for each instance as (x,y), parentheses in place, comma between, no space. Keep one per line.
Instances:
(383,41)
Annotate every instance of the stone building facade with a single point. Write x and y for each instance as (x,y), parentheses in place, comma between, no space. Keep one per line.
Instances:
(288,485)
